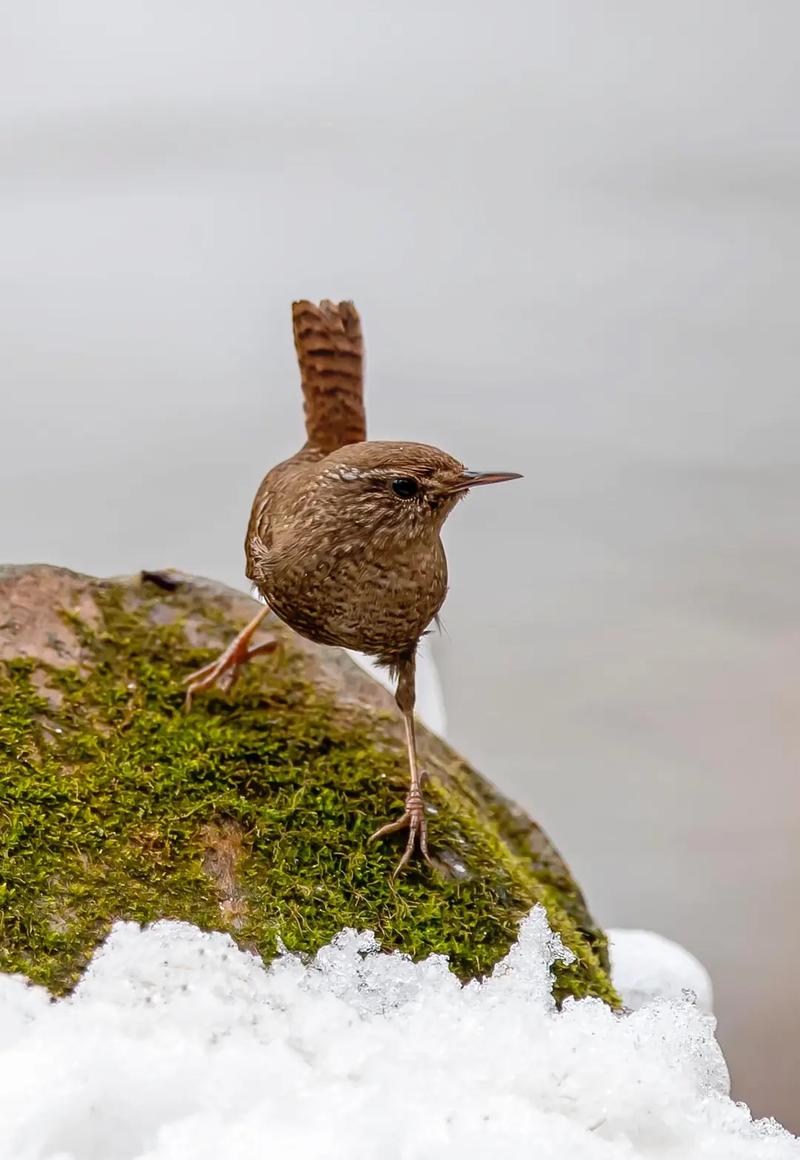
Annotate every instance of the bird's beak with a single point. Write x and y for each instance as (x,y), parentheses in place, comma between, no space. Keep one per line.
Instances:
(478,478)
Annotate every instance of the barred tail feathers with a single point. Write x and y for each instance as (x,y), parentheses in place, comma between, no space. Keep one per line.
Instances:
(330,352)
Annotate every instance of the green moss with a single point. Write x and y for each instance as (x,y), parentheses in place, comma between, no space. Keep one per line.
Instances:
(115,805)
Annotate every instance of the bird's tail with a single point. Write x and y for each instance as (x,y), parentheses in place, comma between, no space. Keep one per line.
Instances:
(330,351)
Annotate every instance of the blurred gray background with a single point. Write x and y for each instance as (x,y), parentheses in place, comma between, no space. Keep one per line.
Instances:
(573,234)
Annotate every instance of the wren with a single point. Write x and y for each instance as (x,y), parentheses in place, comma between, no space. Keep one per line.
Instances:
(344,539)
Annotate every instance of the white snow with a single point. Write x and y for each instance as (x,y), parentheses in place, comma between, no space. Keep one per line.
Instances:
(178,1046)
(647,966)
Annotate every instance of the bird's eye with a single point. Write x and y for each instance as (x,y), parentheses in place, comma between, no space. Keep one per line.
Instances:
(405,487)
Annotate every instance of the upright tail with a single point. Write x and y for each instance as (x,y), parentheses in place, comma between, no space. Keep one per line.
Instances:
(330,351)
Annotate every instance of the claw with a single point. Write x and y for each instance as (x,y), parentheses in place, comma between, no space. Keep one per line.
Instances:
(203,679)
(224,671)
(391,827)
(414,819)
(199,673)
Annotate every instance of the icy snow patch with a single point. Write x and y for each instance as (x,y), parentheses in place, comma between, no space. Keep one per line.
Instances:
(647,966)
(178,1046)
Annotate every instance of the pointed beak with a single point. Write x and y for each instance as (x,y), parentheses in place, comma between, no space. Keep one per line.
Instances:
(478,478)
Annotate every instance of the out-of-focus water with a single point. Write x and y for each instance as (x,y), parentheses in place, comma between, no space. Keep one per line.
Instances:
(573,234)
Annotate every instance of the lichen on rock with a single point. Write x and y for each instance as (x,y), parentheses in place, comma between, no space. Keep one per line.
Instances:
(251,814)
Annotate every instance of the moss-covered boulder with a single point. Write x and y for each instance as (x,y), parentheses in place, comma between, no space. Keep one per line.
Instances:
(250,814)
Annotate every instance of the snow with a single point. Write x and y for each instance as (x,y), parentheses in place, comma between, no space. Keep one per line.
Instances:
(176,1045)
(647,966)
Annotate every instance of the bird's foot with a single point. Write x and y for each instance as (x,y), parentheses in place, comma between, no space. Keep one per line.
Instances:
(414,820)
(225,669)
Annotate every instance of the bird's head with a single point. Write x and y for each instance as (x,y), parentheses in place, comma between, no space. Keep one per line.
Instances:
(395,489)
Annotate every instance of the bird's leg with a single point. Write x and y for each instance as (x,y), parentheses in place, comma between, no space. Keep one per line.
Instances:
(225,669)
(414,816)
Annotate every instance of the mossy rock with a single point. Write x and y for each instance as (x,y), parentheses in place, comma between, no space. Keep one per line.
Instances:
(251,814)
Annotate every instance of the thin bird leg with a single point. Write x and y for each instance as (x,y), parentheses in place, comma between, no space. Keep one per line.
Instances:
(225,669)
(414,815)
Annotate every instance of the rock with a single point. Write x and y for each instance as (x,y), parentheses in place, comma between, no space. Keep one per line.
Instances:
(250,814)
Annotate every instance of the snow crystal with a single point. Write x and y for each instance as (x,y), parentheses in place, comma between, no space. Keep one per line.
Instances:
(647,966)
(176,1045)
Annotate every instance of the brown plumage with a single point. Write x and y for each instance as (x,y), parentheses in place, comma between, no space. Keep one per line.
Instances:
(330,352)
(344,537)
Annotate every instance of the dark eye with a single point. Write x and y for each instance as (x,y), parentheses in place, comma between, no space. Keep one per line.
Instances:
(405,487)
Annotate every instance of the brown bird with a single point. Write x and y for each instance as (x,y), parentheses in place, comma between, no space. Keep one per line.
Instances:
(344,538)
